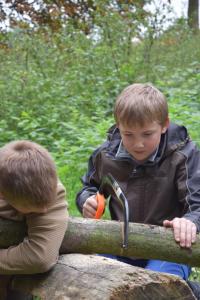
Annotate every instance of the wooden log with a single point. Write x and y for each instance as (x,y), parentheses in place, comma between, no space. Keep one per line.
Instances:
(89,236)
(81,277)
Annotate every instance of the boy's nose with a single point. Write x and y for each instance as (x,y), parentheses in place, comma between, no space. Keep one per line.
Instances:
(139,145)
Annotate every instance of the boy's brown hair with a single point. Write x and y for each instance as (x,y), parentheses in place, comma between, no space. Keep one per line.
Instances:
(27,174)
(140,103)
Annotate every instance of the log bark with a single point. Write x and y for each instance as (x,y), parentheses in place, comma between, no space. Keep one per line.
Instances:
(78,277)
(89,236)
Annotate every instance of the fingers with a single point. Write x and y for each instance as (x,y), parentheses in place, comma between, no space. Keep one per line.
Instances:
(184,231)
(90,207)
(167,223)
(194,233)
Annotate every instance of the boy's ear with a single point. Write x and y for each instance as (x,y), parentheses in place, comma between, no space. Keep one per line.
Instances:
(166,125)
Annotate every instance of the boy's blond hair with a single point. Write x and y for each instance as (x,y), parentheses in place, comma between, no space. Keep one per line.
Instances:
(27,174)
(139,104)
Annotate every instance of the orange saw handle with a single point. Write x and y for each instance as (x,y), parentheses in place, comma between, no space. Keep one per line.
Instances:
(101,205)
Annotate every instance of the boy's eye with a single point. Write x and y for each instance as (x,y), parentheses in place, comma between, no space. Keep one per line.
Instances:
(147,133)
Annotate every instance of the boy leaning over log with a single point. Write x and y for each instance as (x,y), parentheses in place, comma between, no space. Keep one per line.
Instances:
(30,191)
(157,166)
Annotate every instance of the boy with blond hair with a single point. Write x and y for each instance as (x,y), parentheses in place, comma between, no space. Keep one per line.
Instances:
(157,166)
(30,191)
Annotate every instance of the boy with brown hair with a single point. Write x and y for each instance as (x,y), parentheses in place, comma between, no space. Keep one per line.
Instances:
(157,166)
(30,191)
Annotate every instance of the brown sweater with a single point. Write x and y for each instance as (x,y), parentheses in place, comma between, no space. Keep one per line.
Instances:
(39,250)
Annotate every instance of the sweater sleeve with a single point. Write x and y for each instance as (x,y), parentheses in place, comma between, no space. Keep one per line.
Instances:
(39,250)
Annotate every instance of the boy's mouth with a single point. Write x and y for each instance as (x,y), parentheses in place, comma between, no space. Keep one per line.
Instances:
(139,152)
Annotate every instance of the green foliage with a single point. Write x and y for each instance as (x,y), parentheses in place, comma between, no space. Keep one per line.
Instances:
(195,275)
(58,88)
(183,90)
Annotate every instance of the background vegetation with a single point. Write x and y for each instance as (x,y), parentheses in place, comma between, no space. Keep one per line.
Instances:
(59,80)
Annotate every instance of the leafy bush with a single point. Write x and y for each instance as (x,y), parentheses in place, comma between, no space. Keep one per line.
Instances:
(58,89)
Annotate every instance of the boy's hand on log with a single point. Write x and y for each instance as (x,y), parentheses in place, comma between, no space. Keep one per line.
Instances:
(90,207)
(184,231)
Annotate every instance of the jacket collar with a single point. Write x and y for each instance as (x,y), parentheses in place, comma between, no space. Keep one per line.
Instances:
(123,153)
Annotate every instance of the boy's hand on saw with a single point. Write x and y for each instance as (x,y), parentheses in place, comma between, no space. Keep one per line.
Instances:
(90,207)
(94,206)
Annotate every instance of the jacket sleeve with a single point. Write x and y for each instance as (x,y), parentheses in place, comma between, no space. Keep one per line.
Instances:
(189,183)
(90,181)
(39,250)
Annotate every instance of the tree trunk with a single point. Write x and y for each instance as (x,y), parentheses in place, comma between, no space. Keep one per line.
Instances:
(89,236)
(193,14)
(89,277)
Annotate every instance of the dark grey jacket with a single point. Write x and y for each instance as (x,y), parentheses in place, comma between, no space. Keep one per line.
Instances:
(166,188)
